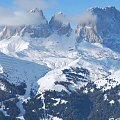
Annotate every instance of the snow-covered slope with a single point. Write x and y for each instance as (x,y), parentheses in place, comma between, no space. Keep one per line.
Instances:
(11,46)
(17,71)
(52,51)
(102,63)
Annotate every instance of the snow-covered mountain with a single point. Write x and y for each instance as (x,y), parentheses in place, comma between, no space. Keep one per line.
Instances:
(39,27)
(17,71)
(59,24)
(102,26)
(50,71)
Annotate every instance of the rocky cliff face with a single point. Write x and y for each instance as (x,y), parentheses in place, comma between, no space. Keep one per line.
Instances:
(104,29)
(59,24)
(7,32)
(40,29)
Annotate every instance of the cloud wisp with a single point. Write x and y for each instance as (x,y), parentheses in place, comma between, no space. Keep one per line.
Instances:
(29,4)
(20,15)
(86,18)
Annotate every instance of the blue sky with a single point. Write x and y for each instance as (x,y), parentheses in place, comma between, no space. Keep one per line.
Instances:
(77,6)
(68,7)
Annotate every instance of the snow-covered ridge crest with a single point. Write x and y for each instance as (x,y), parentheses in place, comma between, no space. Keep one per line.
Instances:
(13,45)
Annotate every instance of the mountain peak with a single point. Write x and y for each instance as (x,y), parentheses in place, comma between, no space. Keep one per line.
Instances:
(104,29)
(109,9)
(60,24)
(36,11)
(59,16)
(58,13)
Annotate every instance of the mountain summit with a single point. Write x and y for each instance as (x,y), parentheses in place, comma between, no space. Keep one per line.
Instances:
(104,29)
(38,12)
(60,24)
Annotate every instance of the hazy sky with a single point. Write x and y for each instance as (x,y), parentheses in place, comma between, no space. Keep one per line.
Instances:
(12,11)
(69,7)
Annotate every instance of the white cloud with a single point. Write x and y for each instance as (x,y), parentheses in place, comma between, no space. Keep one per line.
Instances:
(19,15)
(29,4)
(19,18)
(62,18)
(85,18)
